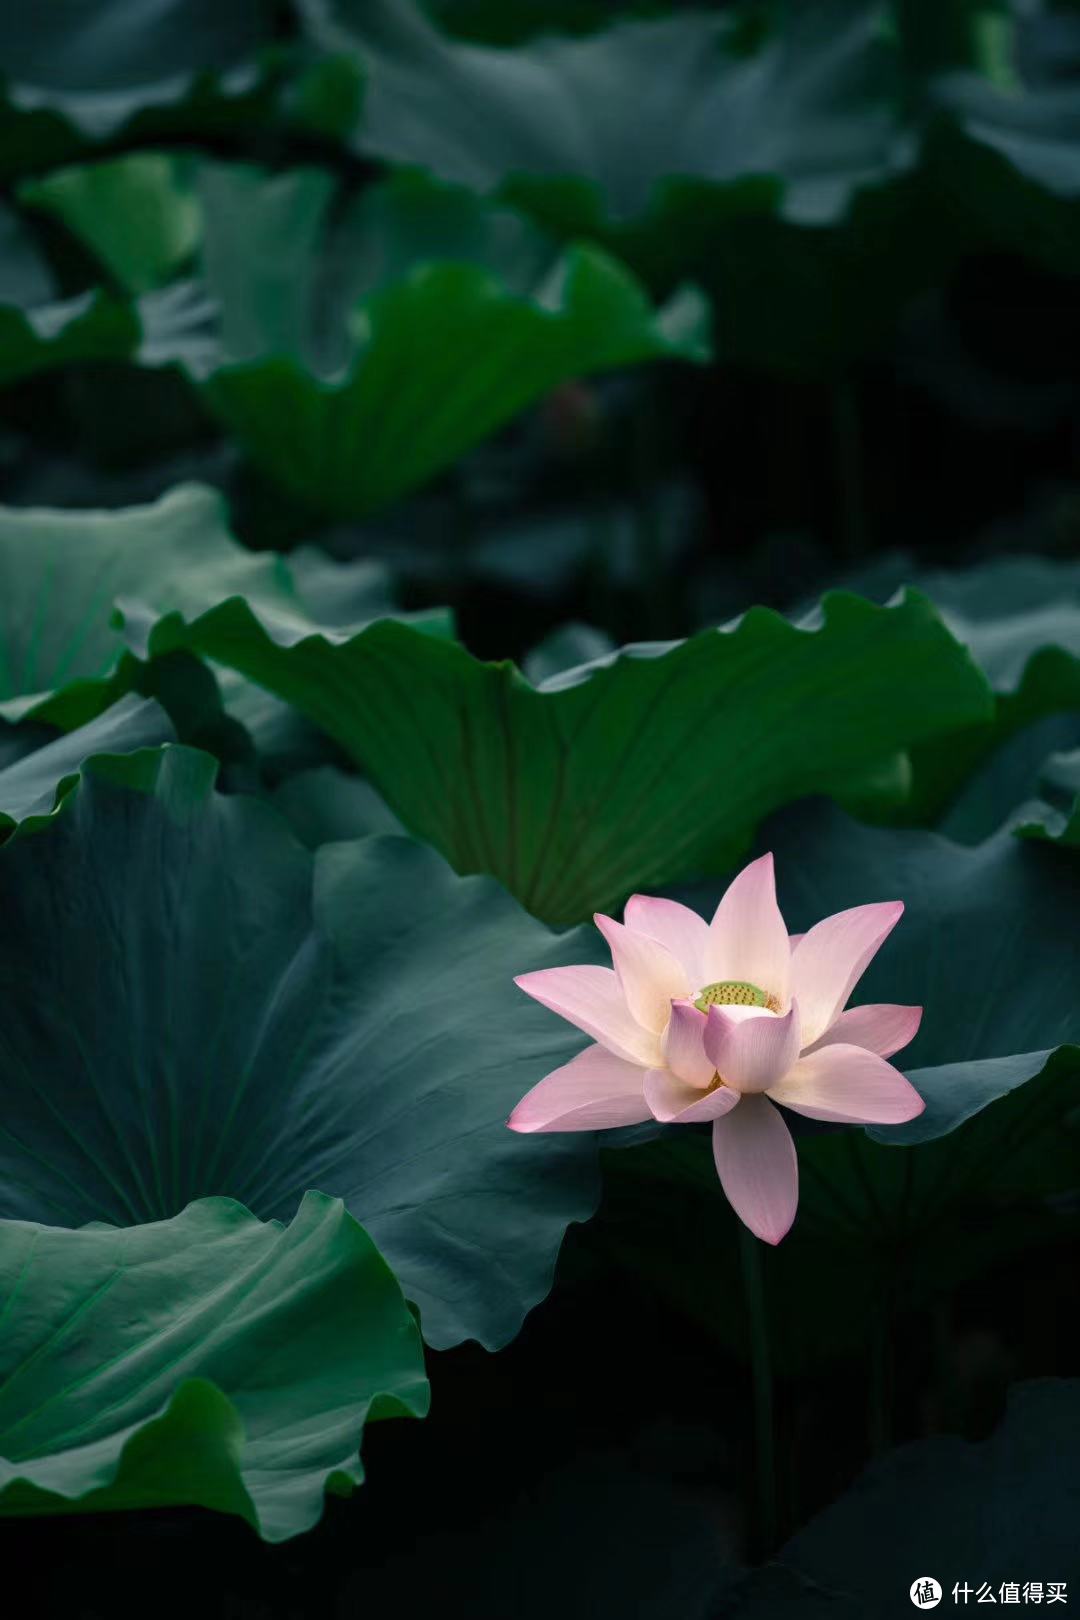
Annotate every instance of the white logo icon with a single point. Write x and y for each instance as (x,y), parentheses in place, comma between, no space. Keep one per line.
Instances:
(925,1593)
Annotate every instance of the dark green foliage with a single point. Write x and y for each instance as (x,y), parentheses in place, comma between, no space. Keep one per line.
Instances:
(465,464)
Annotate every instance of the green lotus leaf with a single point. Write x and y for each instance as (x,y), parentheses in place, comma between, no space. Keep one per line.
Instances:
(311,310)
(18,741)
(1000,115)
(1058,817)
(217,1011)
(625,773)
(567,647)
(335,597)
(280,741)
(62,656)
(77,76)
(36,785)
(139,213)
(37,328)
(769,165)
(1032,118)
(810,109)
(92,326)
(996,1511)
(59,645)
(1020,619)
(327,806)
(40,330)
(1001,788)
(205,1360)
(1008,609)
(395,337)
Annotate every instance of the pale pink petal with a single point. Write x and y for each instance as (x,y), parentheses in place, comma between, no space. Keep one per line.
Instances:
(831,958)
(758,1169)
(752,1054)
(851,1085)
(651,978)
(747,937)
(793,939)
(593,1092)
(591,999)
(684,1052)
(676,1103)
(881,1027)
(681,930)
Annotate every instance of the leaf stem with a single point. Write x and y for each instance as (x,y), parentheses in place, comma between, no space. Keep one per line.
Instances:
(881,1382)
(761,1367)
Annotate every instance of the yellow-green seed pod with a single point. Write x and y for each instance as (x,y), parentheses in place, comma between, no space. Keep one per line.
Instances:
(734,993)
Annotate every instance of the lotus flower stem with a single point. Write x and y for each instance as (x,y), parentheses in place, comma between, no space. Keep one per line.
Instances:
(761,1368)
(881,1379)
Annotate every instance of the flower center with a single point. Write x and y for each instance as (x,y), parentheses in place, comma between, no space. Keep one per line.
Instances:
(735,993)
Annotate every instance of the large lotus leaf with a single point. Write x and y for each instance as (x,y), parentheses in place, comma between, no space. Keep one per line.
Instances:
(66,572)
(280,741)
(208,1359)
(38,329)
(1058,816)
(1002,787)
(284,741)
(564,648)
(810,108)
(892,1217)
(310,313)
(1007,609)
(18,741)
(1001,154)
(139,213)
(1020,619)
(1034,122)
(387,342)
(36,784)
(999,1511)
(765,169)
(326,806)
(628,772)
(215,1010)
(789,297)
(335,597)
(77,73)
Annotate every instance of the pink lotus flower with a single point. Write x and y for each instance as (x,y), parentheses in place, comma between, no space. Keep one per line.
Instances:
(718,1021)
